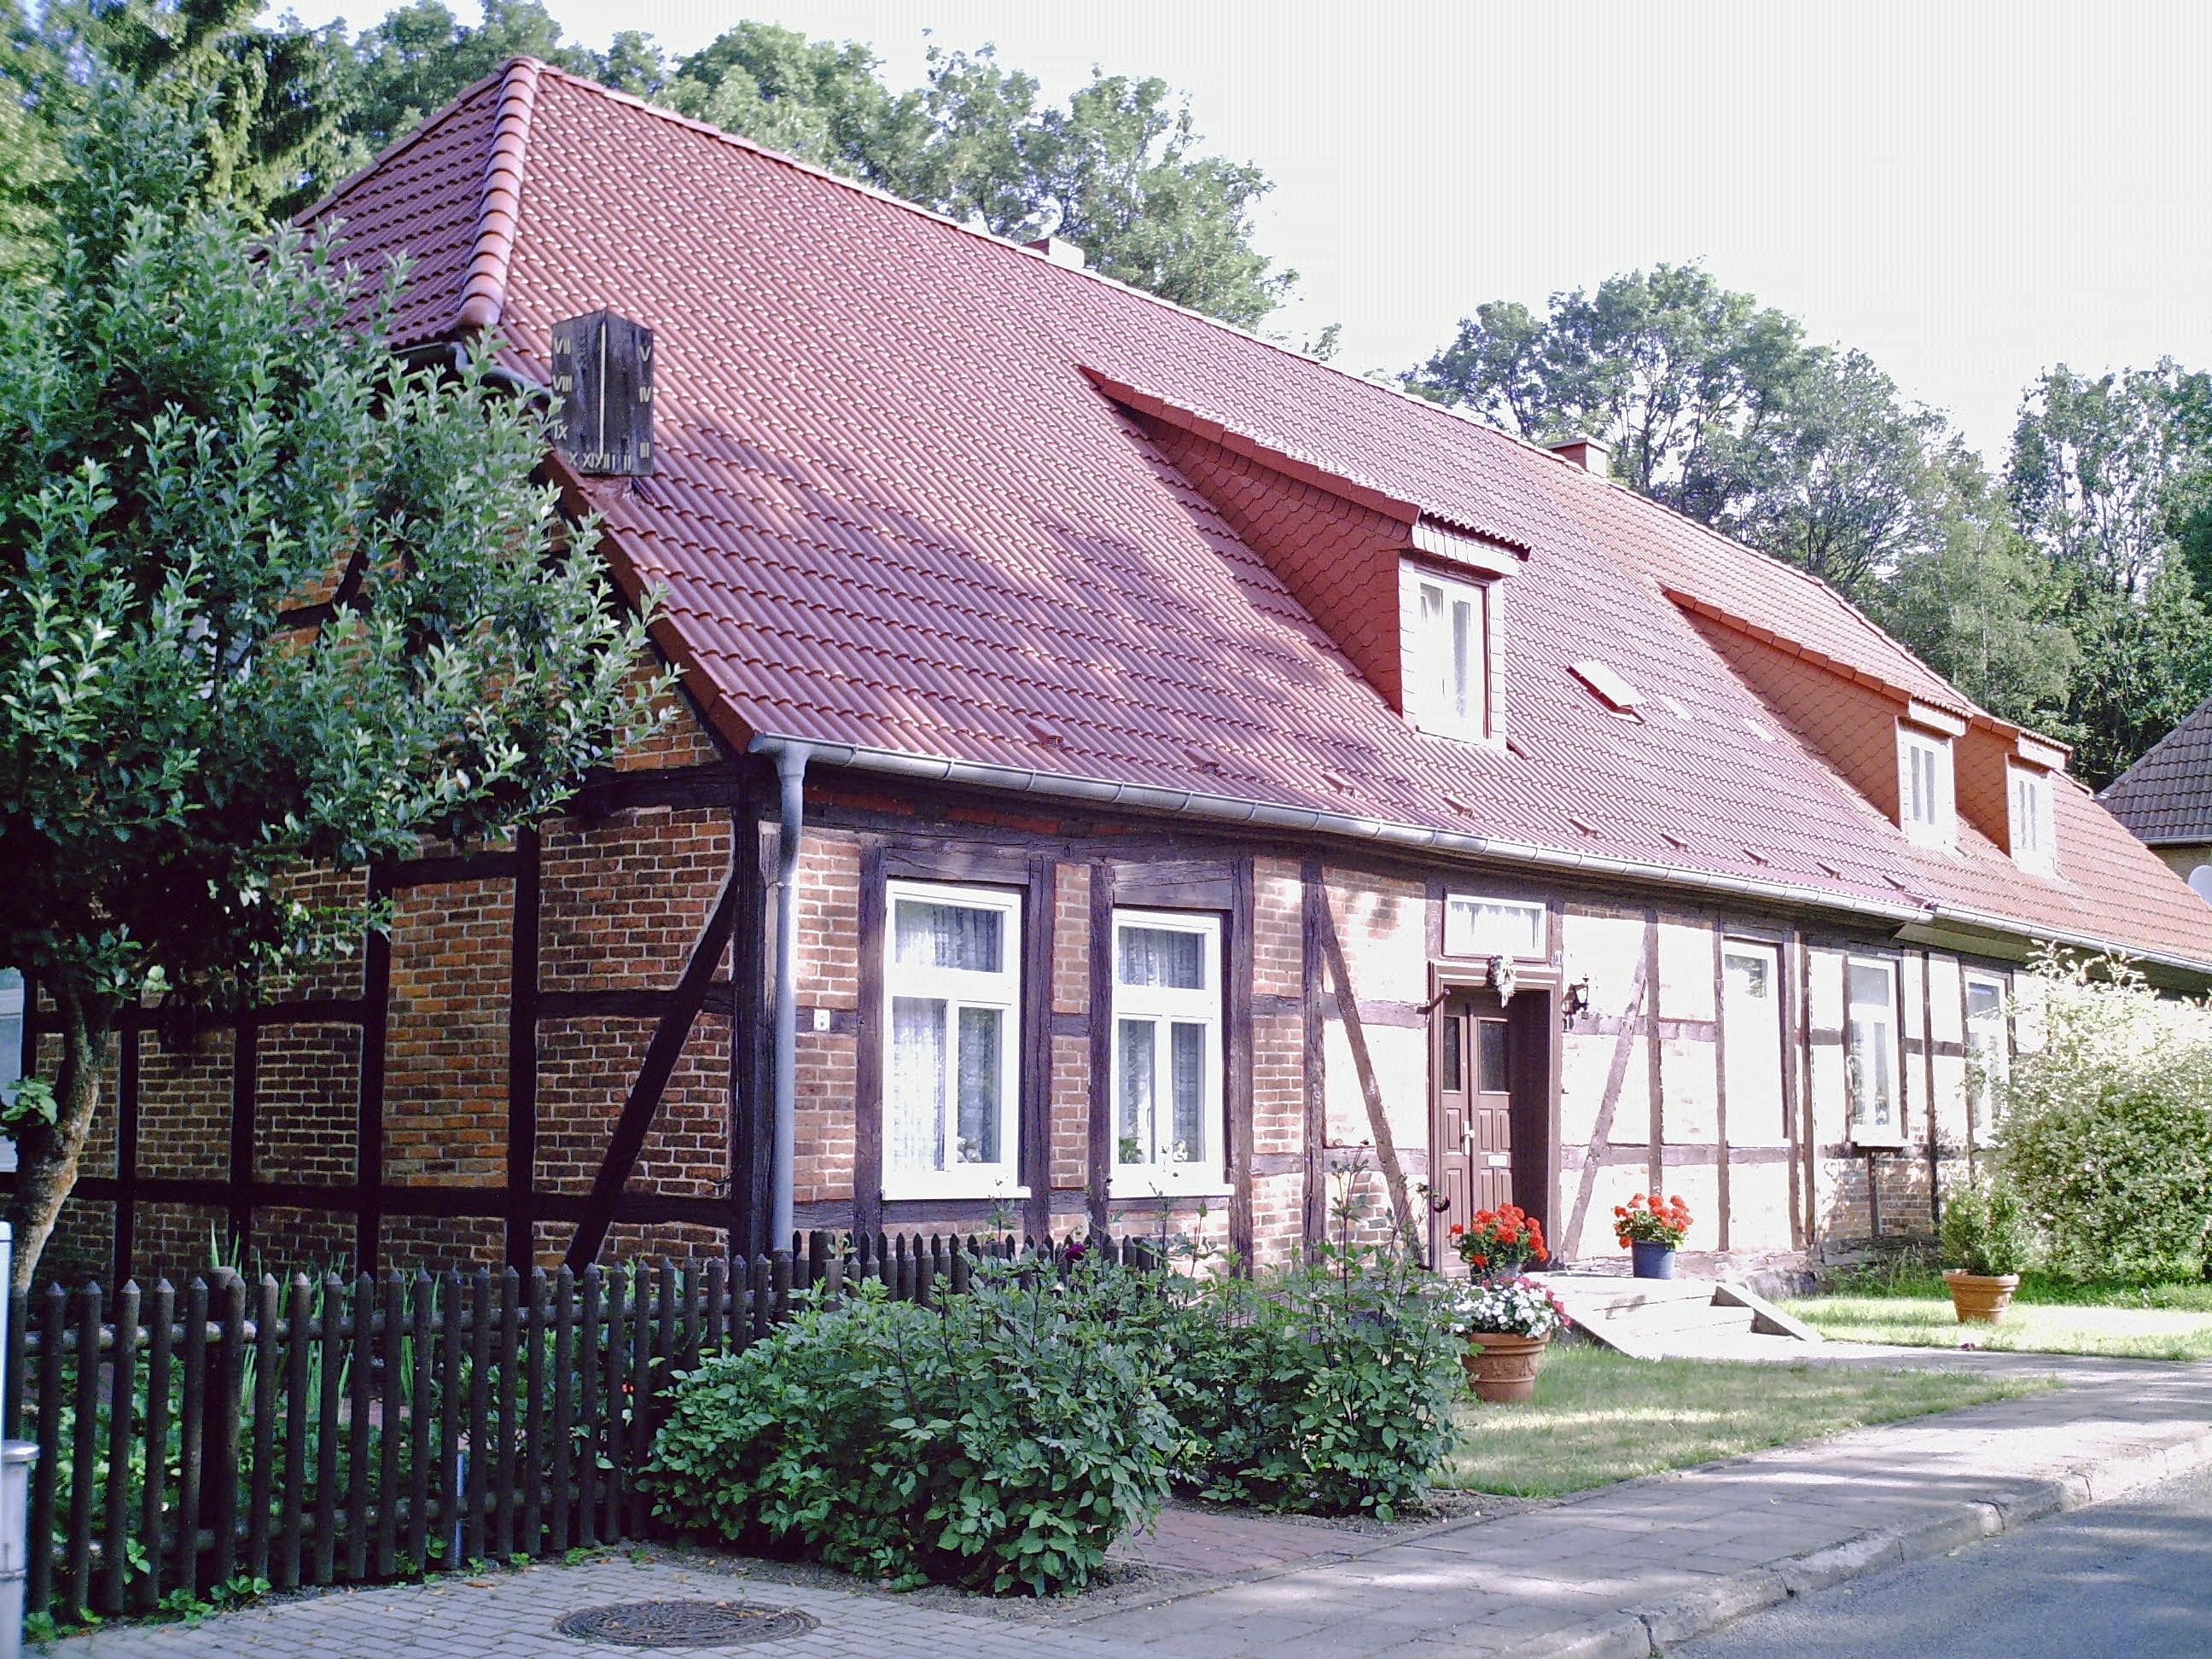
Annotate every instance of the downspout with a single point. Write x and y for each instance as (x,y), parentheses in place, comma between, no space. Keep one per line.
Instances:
(791,777)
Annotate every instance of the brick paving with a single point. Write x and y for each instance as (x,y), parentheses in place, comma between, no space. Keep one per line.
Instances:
(1620,1570)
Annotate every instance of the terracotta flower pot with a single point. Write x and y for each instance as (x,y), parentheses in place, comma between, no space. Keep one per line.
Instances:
(1502,1367)
(1979,1298)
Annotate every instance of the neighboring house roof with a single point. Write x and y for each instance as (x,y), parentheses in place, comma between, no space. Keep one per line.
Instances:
(922,492)
(2165,797)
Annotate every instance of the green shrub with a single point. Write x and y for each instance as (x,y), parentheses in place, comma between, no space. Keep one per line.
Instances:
(2108,1133)
(1327,1388)
(1986,1230)
(1003,1442)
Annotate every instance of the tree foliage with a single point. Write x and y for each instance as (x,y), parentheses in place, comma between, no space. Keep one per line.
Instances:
(2107,1132)
(1118,170)
(287,112)
(198,448)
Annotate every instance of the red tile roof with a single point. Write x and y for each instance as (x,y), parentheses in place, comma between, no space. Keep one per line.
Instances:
(918,493)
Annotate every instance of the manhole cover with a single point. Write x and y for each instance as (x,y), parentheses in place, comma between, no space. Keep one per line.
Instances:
(685,1624)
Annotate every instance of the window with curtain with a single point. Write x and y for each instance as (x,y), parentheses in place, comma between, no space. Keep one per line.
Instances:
(951,1071)
(1478,926)
(1168,1059)
(12,1057)
(1871,1053)
(1989,1049)
(1448,659)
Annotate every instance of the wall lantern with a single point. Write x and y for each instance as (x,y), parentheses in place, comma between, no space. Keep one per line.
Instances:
(1577,1001)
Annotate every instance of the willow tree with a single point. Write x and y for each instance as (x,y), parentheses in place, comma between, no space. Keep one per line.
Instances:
(270,599)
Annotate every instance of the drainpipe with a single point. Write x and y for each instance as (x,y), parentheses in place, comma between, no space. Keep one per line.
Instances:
(791,777)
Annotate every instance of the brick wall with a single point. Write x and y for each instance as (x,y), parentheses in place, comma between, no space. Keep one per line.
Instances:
(306,1102)
(623,900)
(445,1079)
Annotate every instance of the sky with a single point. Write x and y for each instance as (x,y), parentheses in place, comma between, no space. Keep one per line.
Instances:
(1968,193)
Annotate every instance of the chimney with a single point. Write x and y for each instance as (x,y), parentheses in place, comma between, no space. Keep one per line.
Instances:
(1591,455)
(1059,253)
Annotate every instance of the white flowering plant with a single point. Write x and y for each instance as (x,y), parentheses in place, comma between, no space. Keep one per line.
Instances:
(1512,1307)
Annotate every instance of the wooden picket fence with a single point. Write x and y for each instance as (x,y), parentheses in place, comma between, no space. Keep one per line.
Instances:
(324,1431)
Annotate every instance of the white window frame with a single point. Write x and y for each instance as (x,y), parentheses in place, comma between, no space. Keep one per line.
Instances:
(1927,801)
(957,988)
(1164,1004)
(1429,659)
(1461,938)
(1989,1052)
(15,1011)
(2030,810)
(1863,1131)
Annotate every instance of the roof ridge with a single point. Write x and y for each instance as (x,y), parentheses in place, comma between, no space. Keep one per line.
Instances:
(418,134)
(677,117)
(484,291)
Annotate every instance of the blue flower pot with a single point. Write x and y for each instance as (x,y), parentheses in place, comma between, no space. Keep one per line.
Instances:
(1652,1261)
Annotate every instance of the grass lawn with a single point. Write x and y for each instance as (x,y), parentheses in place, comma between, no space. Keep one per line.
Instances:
(1599,1416)
(1910,1306)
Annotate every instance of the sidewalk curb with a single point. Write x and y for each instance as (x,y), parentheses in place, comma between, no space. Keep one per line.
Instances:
(1967,1521)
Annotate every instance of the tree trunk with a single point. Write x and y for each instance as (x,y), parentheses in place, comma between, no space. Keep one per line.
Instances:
(46,1155)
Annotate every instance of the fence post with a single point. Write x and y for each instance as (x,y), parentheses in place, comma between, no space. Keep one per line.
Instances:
(51,1320)
(122,1377)
(392,1294)
(225,1400)
(153,1494)
(192,1434)
(510,1294)
(359,1366)
(84,1450)
(268,1372)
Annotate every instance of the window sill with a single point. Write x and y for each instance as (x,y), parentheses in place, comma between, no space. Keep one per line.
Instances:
(1144,1181)
(952,1188)
(1876,1143)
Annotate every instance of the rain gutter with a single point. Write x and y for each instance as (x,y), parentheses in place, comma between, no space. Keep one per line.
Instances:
(1230,810)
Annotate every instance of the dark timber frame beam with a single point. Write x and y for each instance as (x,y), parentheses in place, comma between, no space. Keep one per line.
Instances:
(643,1105)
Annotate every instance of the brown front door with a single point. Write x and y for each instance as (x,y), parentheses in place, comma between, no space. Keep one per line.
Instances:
(1471,1141)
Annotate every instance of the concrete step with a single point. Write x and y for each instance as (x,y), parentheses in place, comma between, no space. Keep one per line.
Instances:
(1653,1318)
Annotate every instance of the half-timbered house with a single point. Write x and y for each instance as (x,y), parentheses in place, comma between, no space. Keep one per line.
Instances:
(1124,769)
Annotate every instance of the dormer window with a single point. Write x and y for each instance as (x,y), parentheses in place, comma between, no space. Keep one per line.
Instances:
(1926,808)
(1447,669)
(2034,831)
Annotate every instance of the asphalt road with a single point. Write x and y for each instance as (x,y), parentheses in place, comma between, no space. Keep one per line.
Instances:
(2126,1580)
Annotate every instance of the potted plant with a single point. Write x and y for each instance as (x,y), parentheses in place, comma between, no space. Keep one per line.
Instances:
(1508,1323)
(1651,1229)
(1984,1240)
(1498,1244)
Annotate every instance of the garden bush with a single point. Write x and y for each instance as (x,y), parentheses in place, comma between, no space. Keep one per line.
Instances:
(2108,1130)
(1326,1388)
(1002,1442)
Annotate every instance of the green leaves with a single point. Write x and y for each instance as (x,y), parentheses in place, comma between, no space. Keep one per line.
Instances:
(2107,1134)
(270,599)
(1003,1442)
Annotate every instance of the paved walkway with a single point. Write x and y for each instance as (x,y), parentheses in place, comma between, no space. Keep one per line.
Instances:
(1623,1570)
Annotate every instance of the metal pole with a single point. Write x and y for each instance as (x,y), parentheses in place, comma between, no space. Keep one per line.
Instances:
(791,774)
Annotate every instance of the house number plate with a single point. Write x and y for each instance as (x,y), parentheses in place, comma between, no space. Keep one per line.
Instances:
(1501,1160)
